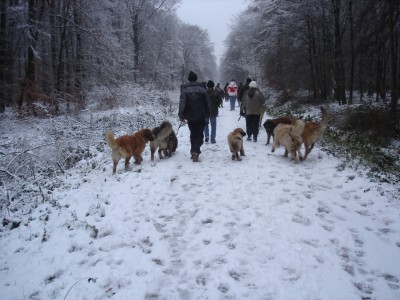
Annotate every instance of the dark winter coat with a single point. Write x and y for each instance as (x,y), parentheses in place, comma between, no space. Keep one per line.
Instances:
(242,90)
(194,102)
(215,101)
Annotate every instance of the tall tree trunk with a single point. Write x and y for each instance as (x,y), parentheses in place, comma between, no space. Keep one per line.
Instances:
(78,54)
(340,88)
(29,85)
(136,46)
(392,9)
(352,55)
(4,70)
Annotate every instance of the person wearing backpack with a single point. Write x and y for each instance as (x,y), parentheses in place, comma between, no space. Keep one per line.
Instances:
(221,94)
(232,90)
(215,101)
(194,107)
(251,107)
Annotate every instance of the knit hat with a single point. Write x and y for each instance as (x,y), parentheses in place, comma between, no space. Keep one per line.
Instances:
(253,84)
(192,76)
(210,84)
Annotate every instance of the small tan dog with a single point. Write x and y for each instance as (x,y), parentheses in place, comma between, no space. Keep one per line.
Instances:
(313,132)
(127,146)
(165,140)
(289,136)
(235,142)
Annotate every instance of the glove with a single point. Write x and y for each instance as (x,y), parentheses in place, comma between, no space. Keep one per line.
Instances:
(242,113)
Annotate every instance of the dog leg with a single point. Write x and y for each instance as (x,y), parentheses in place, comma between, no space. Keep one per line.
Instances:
(238,157)
(308,150)
(286,152)
(115,163)
(293,155)
(138,159)
(242,152)
(160,153)
(268,139)
(127,163)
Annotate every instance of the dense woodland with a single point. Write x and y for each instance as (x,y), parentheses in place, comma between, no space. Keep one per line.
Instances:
(55,51)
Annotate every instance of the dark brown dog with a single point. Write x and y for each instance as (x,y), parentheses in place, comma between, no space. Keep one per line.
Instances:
(127,146)
(271,124)
(235,142)
(313,132)
(165,140)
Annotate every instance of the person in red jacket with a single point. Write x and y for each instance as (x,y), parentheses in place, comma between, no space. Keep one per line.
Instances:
(232,91)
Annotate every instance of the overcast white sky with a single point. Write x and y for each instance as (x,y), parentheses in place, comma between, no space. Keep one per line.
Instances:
(212,15)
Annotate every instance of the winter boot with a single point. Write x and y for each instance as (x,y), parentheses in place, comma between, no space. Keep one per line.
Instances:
(195,157)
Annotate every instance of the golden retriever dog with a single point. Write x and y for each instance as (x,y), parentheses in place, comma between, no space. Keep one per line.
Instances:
(270,125)
(235,142)
(165,140)
(289,136)
(313,132)
(127,146)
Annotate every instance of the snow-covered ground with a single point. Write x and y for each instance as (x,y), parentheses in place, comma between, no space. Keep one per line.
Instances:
(261,228)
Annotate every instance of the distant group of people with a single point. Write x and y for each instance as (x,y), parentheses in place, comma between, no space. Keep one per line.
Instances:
(199,105)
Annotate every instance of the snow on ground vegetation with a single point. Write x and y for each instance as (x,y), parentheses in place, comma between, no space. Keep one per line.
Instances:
(261,228)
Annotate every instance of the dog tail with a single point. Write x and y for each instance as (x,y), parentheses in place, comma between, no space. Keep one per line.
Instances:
(165,130)
(111,140)
(324,119)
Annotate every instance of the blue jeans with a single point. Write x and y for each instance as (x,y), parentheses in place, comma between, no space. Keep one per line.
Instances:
(232,100)
(213,122)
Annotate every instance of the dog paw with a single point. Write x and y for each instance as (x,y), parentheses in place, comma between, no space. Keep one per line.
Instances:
(233,157)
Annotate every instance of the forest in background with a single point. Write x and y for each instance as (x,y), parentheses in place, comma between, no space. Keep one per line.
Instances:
(330,48)
(56,52)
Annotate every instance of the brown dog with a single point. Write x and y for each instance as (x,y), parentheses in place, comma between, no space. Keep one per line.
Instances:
(290,137)
(127,146)
(270,125)
(235,142)
(164,139)
(313,132)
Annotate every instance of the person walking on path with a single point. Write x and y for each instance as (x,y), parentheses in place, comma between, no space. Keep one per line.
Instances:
(194,107)
(251,107)
(242,90)
(226,91)
(232,90)
(215,100)
(221,94)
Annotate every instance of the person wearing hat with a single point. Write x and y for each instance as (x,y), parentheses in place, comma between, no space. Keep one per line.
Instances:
(194,107)
(215,101)
(232,91)
(252,103)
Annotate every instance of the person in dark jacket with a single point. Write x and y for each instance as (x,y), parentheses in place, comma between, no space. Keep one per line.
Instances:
(215,101)
(226,92)
(221,94)
(242,90)
(194,107)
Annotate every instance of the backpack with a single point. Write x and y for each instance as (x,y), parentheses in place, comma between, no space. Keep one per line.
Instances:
(231,90)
